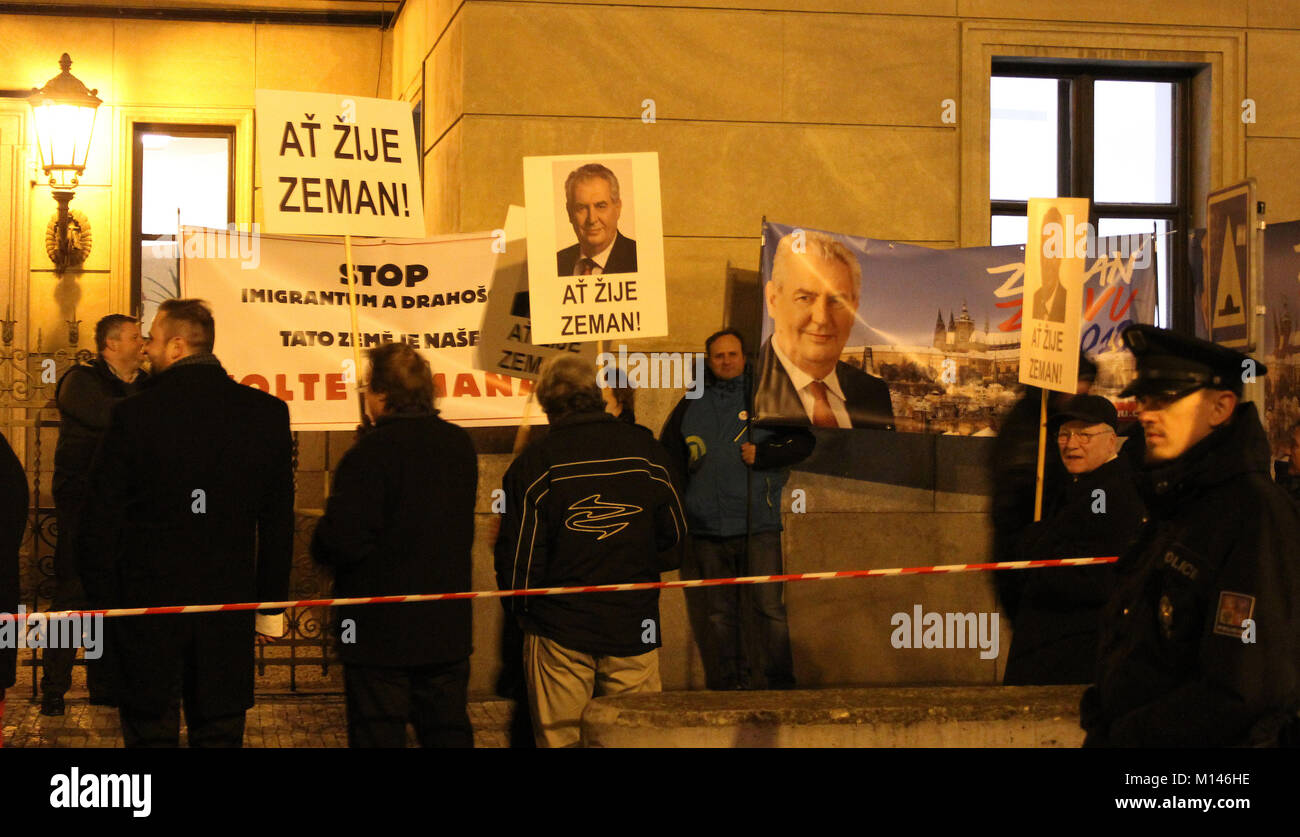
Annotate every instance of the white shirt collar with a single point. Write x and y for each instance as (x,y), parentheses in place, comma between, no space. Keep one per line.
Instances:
(601,257)
(802,379)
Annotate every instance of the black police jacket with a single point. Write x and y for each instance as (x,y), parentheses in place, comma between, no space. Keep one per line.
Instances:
(400,520)
(1200,645)
(594,502)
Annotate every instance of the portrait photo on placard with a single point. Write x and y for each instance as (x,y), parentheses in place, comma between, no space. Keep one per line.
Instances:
(595,247)
(595,217)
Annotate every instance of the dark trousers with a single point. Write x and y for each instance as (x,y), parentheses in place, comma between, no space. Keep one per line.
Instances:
(756,609)
(56,663)
(144,729)
(381,700)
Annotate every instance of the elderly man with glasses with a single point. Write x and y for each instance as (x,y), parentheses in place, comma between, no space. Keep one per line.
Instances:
(1095,512)
(1200,645)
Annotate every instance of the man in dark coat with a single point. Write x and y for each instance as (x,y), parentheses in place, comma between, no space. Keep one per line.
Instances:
(1096,512)
(401,520)
(1013,466)
(593,502)
(85,395)
(191,502)
(1200,645)
(13,520)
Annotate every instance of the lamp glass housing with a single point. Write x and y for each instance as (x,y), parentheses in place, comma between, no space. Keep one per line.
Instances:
(63,134)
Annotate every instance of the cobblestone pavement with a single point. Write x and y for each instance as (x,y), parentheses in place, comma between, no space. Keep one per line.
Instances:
(288,720)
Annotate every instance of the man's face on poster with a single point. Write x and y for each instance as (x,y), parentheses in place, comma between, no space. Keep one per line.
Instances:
(594,214)
(812,307)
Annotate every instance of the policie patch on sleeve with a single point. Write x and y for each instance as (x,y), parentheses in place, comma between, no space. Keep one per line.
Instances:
(1233,610)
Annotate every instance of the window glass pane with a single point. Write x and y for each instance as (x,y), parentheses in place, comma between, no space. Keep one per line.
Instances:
(1009,229)
(1127,226)
(1022,138)
(191,174)
(1132,137)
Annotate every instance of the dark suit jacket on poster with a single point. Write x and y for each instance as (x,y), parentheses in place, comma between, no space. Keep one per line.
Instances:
(622,257)
(866,397)
(1056,313)
(146,540)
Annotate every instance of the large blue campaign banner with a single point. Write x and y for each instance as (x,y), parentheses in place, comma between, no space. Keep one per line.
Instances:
(1281,348)
(862,333)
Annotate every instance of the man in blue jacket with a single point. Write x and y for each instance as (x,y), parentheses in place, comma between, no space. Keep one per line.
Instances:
(718,450)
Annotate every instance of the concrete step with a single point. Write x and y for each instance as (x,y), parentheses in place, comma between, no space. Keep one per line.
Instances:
(927,716)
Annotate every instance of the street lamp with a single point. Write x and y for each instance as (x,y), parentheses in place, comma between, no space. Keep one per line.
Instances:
(64,115)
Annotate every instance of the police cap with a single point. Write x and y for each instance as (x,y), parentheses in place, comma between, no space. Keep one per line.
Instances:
(1175,364)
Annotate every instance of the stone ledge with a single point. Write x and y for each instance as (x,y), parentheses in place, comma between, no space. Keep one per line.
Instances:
(941,716)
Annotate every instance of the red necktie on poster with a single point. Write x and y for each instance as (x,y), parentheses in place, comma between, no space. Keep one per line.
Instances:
(588,266)
(823,415)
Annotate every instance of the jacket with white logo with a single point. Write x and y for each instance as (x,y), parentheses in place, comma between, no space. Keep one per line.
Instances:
(594,502)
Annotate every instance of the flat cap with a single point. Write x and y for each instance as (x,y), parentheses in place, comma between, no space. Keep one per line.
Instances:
(1169,363)
(1093,409)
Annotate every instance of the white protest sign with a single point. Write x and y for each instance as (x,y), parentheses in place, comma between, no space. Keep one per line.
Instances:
(1053,297)
(505,341)
(338,165)
(283,324)
(595,247)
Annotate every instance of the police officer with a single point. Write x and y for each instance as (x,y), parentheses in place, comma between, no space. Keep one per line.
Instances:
(1199,645)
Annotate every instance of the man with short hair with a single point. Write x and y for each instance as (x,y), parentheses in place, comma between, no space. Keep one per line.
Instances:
(1095,512)
(713,444)
(812,299)
(593,203)
(191,502)
(593,502)
(85,395)
(1200,645)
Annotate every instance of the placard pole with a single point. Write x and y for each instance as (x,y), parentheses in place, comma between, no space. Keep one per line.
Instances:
(356,341)
(1042,451)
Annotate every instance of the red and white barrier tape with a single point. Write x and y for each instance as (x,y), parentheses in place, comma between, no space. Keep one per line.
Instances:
(557,591)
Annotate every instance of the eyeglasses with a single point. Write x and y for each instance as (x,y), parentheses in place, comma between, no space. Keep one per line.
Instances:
(1084,438)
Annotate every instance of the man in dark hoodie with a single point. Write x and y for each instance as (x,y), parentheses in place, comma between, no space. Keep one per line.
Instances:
(710,437)
(1200,645)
